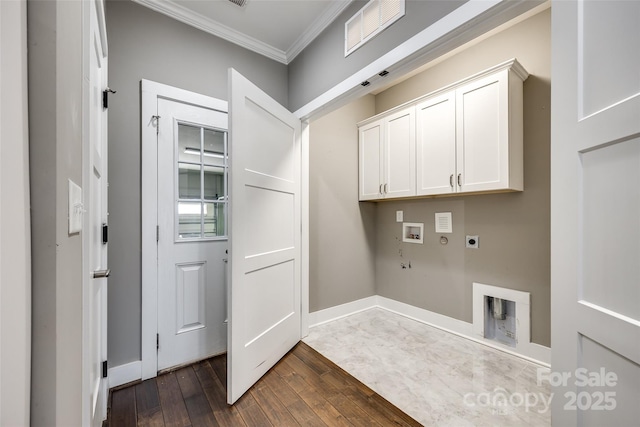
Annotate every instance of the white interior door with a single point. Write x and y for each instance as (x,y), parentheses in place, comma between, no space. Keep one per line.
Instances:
(265,238)
(595,213)
(95,200)
(191,235)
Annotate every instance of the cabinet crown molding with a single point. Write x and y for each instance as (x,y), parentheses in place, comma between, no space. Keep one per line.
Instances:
(512,65)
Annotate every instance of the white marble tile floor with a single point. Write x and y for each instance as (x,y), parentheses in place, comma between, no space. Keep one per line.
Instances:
(438,378)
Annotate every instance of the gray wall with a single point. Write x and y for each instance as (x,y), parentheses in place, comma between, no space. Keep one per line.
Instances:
(513,228)
(15,233)
(322,64)
(342,231)
(55,109)
(147,45)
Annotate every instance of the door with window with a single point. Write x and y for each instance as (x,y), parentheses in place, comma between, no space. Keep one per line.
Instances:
(191,232)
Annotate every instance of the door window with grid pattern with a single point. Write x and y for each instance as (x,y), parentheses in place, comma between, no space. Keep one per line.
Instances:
(201,184)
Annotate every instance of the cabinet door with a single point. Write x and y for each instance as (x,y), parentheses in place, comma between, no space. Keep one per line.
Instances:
(436,145)
(483,134)
(371,165)
(400,154)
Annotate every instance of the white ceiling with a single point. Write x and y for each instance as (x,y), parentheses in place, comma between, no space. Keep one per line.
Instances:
(278,29)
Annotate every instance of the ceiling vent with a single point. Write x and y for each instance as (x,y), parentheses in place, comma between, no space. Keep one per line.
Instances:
(240,3)
(370,21)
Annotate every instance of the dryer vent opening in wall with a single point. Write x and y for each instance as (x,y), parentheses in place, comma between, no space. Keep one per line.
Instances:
(500,320)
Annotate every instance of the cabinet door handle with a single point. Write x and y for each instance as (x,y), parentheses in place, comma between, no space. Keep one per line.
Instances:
(451,180)
(380,192)
(460,179)
(386,188)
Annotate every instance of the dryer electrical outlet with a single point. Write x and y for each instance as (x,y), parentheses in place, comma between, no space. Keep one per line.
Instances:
(472,242)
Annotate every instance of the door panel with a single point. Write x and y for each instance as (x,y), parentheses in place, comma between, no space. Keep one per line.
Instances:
(400,166)
(191,237)
(595,206)
(265,237)
(482,134)
(436,145)
(96,198)
(371,168)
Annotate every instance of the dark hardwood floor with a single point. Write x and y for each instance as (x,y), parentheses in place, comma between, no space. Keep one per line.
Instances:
(304,389)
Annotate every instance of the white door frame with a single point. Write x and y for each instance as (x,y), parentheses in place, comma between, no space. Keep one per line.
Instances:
(87,9)
(150,92)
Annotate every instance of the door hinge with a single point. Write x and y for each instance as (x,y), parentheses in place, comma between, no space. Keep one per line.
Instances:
(104,369)
(105,97)
(157,233)
(157,341)
(105,234)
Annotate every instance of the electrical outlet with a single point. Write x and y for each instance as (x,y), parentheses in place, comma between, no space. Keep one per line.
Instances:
(399,216)
(473,242)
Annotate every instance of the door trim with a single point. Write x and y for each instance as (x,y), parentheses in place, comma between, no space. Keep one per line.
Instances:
(150,92)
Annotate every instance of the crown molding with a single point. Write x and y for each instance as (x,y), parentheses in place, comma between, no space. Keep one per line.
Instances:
(318,26)
(201,22)
(182,14)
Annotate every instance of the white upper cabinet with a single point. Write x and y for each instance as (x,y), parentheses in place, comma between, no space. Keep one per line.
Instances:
(464,138)
(371,165)
(387,156)
(489,134)
(436,145)
(400,154)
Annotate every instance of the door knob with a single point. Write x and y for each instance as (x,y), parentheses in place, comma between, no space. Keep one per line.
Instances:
(99,274)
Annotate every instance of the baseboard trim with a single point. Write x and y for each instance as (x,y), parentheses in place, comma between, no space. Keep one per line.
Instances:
(339,311)
(535,353)
(123,374)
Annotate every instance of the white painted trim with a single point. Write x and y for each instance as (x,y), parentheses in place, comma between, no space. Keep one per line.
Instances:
(201,22)
(150,92)
(180,13)
(343,310)
(440,321)
(451,31)
(124,374)
(511,65)
(304,218)
(318,26)
(534,353)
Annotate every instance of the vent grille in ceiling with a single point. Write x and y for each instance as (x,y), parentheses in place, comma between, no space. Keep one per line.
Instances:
(239,2)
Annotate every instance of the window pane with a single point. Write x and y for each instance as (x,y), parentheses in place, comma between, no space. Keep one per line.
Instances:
(189,220)
(214,219)
(188,143)
(188,181)
(213,183)
(189,160)
(214,147)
